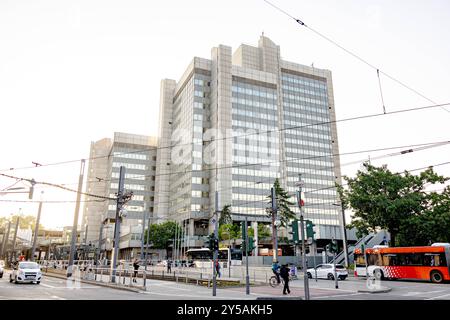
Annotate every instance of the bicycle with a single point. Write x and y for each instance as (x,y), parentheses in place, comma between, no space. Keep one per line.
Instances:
(273,282)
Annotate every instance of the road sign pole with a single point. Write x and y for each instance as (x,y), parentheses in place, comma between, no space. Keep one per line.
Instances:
(247,278)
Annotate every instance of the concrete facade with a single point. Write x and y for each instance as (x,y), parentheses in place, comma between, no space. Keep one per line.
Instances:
(236,122)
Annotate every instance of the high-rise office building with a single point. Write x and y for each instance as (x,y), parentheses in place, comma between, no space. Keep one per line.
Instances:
(138,154)
(236,122)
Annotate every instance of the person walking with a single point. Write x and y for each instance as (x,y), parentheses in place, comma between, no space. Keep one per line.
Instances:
(218,268)
(169,266)
(284,273)
(275,270)
(136,268)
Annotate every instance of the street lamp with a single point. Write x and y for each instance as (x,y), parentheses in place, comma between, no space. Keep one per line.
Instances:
(344,231)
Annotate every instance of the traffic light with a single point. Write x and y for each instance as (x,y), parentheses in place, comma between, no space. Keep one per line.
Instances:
(244,231)
(251,244)
(210,241)
(215,243)
(310,229)
(294,231)
(332,247)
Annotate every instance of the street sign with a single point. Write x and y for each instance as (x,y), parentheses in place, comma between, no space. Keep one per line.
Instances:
(310,240)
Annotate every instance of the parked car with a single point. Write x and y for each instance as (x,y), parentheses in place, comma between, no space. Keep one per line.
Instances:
(326,271)
(2,265)
(26,271)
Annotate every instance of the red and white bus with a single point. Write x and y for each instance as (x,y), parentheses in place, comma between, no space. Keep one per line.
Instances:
(422,263)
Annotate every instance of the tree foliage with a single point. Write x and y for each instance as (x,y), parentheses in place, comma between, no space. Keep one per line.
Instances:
(285,214)
(25,222)
(162,235)
(397,203)
(225,215)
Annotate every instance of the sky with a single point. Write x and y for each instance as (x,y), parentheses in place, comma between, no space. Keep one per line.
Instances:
(72,72)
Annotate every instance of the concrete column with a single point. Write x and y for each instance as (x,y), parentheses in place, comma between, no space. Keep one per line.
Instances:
(191,229)
(255,229)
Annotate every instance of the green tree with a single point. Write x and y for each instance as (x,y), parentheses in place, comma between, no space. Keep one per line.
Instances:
(229,231)
(25,222)
(161,235)
(284,212)
(382,199)
(432,225)
(225,215)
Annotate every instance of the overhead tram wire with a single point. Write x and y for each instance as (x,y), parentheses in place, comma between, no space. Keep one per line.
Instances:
(59,186)
(243,135)
(300,22)
(424,145)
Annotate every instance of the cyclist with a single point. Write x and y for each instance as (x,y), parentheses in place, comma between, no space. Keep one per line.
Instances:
(276,270)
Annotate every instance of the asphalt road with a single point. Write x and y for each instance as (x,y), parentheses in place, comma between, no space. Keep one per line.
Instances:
(60,289)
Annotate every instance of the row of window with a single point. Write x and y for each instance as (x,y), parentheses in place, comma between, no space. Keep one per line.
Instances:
(404,259)
(201,82)
(130,165)
(308,142)
(137,156)
(304,81)
(255,114)
(129,186)
(321,92)
(244,125)
(306,108)
(304,133)
(298,117)
(252,92)
(295,97)
(253,103)
(129,176)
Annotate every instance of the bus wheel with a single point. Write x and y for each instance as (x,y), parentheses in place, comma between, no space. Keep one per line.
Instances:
(378,274)
(436,276)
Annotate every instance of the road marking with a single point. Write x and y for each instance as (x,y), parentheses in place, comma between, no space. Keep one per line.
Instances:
(439,297)
(414,293)
(48,286)
(190,295)
(338,295)
(58,298)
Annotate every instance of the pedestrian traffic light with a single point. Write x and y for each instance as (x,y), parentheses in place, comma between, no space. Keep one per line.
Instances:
(293,226)
(310,229)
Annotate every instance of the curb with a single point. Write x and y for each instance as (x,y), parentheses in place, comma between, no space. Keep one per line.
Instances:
(279,298)
(100,284)
(385,290)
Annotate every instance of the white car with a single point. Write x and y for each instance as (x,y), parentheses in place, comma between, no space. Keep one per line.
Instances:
(326,271)
(26,271)
(2,265)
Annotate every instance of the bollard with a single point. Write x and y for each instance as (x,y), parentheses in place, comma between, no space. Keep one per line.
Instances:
(163,274)
(186,276)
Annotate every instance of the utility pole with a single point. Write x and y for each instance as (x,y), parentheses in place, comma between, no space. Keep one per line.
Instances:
(120,196)
(216,237)
(13,257)
(302,226)
(36,229)
(100,240)
(247,278)
(345,236)
(144,220)
(274,227)
(75,221)
(6,240)
(147,243)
